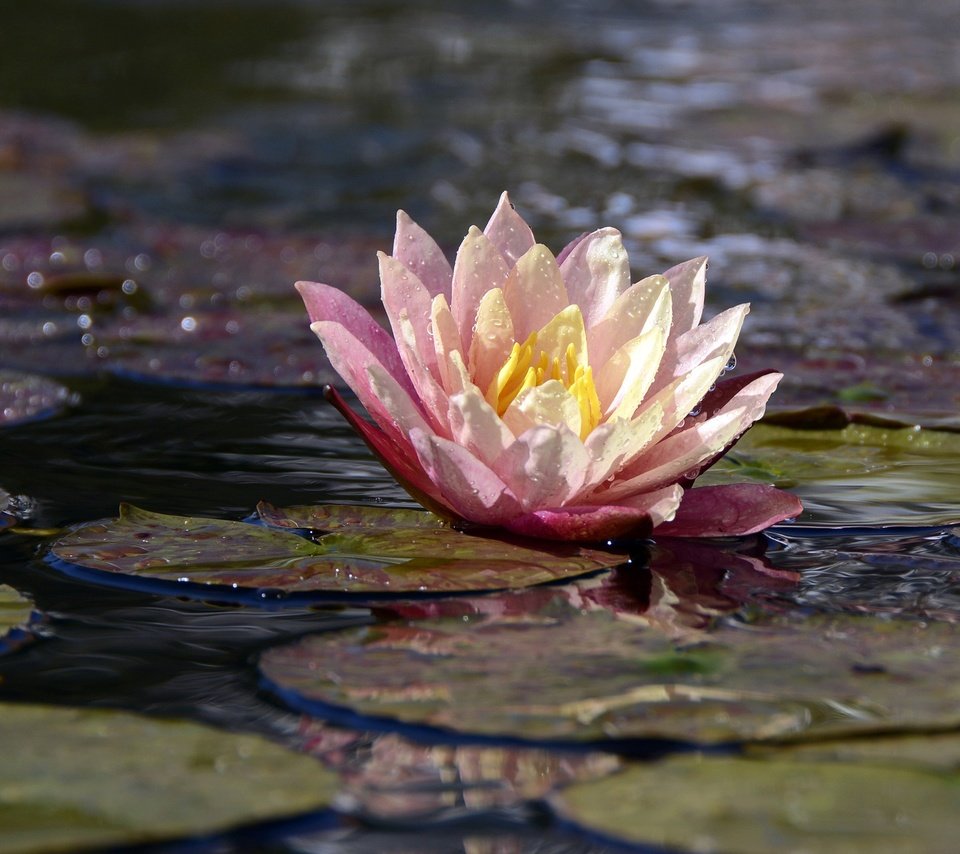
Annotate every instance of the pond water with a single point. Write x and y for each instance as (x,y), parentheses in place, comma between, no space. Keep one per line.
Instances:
(168,170)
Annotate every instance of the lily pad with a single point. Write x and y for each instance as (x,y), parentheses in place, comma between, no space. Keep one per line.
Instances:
(748,805)
(235,560)
(565,673)
(82,778)
(25,397)
(15,612)
(861,475)
(14,608)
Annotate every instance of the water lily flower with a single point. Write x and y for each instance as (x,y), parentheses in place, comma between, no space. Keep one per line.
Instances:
(546,395)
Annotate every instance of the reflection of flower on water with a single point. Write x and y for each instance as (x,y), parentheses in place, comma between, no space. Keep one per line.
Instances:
(547,395)
(679,587)
(681,590)
(387,776)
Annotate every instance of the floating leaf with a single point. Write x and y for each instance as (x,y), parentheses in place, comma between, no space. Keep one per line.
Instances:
(357,517)
(81,778)
(25,397)
(229,559)
(861,475)
(700,803)
(566,673)
(15,611)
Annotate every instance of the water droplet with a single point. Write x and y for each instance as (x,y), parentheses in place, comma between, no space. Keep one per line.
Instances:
(271,593)
(731,363)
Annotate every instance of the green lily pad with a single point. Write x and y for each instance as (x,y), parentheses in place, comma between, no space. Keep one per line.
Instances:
(348,517)
(566,673)
(861,475)
(15,612)
(369,555)
(82,778)
(697,803)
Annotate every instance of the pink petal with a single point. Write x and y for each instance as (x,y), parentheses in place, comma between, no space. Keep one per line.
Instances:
(401,292)
(596,271)
(597,523)
(326,303)
(351,358)
(582,524)
(720,397)
(479,268)
(687,283)
(418,251)
(477,427)
(545,466)
(687,450)
(726,390)
(534,291)
(508,231)
(429,392)
(564,253)
(466,484)
(644,304)
(732,510)
(700,344)
(397,457)
(670,460)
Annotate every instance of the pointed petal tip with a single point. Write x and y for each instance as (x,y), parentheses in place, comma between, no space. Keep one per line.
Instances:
(732,510)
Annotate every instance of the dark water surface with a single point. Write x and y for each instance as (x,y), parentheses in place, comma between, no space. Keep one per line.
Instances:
(168,169)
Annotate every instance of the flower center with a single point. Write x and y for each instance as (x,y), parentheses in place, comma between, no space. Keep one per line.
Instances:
(527,366)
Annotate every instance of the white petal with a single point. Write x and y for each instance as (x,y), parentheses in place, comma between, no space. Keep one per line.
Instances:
(476,425)
(615,444)
(645,304)
(432,395)
(702,343)
(493,339)
(596,272)
(544,467)
(625,378)
(687,283)
(549,403)
(472,489)
(534,291)
(479,268)
(402,291)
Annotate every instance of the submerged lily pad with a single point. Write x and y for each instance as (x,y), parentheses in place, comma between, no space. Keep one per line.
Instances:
(82,778)
(860,475)
(748,805)
(562,673)
(417,554)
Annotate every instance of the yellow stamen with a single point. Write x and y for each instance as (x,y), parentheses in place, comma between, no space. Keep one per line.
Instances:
(519,372)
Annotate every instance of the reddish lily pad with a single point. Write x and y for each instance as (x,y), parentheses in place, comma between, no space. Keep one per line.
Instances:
(82,778)
(562,673)
(233,559)
(863,475)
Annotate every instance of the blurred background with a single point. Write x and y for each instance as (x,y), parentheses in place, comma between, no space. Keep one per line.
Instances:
(812,150)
